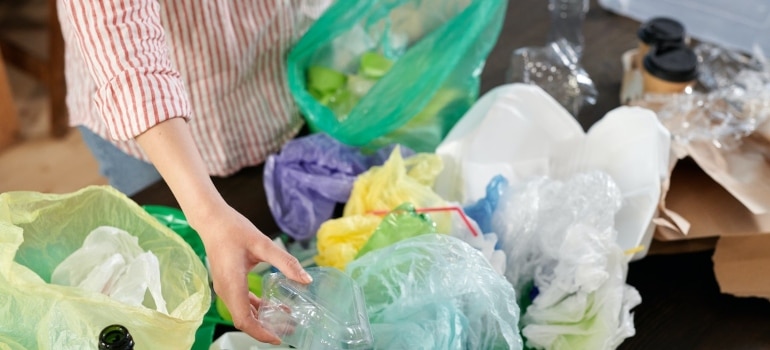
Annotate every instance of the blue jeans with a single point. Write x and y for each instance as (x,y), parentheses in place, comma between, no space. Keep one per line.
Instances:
(124,172)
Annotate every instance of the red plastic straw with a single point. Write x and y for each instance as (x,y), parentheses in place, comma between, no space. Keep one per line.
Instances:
(458,210)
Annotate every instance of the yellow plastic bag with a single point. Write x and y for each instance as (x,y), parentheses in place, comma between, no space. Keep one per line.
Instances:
(38,231)
(399,180)
(378,191)
(340,239)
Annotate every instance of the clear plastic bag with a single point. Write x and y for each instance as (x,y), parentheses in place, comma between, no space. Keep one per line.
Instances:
(563,261)
(435,291)
(38,231)
(328,313)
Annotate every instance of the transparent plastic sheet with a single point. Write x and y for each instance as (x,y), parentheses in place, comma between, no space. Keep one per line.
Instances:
(436,292)
(563,261)
(327,314)
(414,35)
(38,231)
(311,174)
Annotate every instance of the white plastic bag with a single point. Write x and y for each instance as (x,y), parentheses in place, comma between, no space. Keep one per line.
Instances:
(564,263)
(520,132)
(112,262)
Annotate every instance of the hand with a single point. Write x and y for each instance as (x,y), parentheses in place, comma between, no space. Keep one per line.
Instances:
(234,246)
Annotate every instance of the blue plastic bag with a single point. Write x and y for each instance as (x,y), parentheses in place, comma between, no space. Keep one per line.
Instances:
(310,176)
(482,210)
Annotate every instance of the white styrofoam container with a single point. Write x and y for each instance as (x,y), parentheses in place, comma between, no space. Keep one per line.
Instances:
(734,24)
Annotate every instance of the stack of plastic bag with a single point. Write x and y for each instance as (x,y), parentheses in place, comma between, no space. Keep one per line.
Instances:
(375,193)
(436,292)
(563,261)
(304,183)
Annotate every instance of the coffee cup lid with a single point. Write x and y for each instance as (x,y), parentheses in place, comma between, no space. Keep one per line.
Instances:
(661,29)
(672,62)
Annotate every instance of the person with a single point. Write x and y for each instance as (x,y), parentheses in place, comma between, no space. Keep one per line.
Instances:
(185,90)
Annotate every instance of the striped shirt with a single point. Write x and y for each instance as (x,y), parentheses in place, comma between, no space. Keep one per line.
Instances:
(131,64)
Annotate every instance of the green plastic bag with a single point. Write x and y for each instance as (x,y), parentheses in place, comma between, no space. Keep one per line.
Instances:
(438,49)
(38,231)
(401,223)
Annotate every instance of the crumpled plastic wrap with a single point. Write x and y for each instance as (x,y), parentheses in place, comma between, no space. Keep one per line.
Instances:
(436,292)
(563,261)
(731,101)
(310,176)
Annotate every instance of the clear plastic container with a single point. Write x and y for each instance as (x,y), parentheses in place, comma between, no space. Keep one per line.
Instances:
(329,313)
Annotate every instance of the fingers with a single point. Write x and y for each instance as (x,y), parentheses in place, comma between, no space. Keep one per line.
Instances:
(243,306)
(286,263)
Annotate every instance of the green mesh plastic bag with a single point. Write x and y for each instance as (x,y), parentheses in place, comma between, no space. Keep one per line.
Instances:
(38,231)
(370,73)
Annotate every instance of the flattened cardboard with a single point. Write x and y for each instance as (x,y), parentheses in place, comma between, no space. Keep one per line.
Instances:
(742,265)
(710,210)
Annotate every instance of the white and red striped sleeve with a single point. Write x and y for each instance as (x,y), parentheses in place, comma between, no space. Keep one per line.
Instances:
(124,47)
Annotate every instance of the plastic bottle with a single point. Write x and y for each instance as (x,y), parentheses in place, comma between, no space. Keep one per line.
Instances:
(115,337)
(567,17)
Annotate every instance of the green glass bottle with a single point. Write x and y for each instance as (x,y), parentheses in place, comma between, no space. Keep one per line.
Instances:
(115,337)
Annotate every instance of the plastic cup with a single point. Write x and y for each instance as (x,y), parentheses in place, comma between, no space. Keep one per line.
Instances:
(329,313)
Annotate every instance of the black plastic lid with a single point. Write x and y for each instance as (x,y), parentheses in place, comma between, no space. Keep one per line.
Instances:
(672,62)
(661,29)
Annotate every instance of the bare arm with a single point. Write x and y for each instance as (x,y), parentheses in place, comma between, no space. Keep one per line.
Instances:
(141,96)
(224,232)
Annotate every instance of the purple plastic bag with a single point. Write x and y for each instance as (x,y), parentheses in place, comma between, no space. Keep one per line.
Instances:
(310,175)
